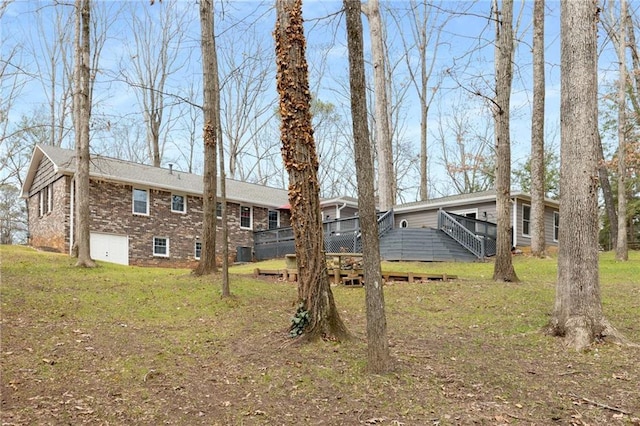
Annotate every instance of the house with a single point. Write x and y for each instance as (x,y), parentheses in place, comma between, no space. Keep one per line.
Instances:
(140,215)
(143,215)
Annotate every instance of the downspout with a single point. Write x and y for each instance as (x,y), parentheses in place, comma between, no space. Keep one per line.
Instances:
(514,232)
(338,209)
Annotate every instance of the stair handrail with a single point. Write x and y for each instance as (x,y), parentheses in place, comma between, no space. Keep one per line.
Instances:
(385,222)
(450,226)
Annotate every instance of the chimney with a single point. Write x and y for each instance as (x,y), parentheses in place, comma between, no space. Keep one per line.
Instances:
(170,168)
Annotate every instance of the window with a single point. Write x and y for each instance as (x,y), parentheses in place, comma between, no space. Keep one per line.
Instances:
(45,200)
(161,246)
(219,210)
(556,225)
(274,219)
(404,223)
(178,203)
(140,201)
(50,198)
(526,219)
(41,203)
(198,250)
(245,217)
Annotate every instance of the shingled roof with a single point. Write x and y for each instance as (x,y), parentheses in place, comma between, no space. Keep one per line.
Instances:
(112,169)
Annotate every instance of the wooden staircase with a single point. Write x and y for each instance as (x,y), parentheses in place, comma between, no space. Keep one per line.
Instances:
(423,245)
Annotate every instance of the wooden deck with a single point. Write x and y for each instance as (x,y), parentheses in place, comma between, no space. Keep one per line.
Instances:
(355,277)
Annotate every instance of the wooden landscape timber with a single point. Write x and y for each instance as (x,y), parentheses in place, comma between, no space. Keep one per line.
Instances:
(351,277)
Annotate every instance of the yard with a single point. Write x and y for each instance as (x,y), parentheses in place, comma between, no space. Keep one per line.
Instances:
(125,345)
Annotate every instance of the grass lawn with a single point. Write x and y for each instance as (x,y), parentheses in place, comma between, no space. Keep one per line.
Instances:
(148,346)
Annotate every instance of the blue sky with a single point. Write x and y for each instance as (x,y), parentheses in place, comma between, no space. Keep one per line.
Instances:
(466,52)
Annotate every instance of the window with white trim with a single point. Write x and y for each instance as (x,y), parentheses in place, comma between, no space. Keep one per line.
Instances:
(245,217)
(526,219)
(50,198)
(556,225)
(140,201)
(178,203)
(274,219)
(197,250)
(161,246)
(41,200)
(404,223)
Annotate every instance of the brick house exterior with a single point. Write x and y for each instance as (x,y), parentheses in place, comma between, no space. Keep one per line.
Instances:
(140,215)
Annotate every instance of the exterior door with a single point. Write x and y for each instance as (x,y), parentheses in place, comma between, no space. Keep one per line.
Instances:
(110,248)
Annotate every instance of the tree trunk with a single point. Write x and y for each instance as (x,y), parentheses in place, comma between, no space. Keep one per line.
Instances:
(82,115)
(226,291)
(377,344)
(503,267)
(622,253)
(634,93)
(383,131)
(538,190)
(207,264)
(301,162)
(607,194)
(578,313)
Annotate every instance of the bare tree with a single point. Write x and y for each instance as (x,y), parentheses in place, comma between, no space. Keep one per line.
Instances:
(226,291)
(334,151)
(317,314)
(538,245)
(52,53)
(426,31)
(578,316)
(503,266)
(190,120)
(247,103)
(13,215)
(82,118)
(207,264)
(156,55)
(377,344)
(386,191)
(607,192)
(12,81)
(621,246)
(466,149)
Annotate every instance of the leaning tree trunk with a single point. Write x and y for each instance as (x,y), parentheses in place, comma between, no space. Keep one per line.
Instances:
(503,267)
(82,116)
(538,244)
(300,159)
(578,313)
(377,344)
(207,264)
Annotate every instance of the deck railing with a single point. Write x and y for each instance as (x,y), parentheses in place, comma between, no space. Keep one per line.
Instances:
(477,236)
(340,236)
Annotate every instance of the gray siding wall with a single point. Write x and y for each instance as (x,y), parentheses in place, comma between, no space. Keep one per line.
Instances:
(428,218)
(525,240)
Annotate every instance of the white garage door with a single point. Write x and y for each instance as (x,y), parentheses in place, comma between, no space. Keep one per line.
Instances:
(110,248)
